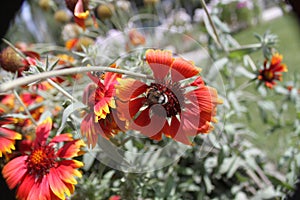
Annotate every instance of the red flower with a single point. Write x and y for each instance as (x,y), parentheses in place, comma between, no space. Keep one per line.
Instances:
(7,136)
(115,197)
(80,10)
(100,99)
(45,172)
(272,71)
(168,105)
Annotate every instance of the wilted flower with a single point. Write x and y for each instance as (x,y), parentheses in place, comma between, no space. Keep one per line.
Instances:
(167,105)
(45,172)
(100,99)
(7,136)
(272,70)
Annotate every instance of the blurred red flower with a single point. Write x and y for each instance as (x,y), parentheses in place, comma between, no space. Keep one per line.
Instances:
(272,71)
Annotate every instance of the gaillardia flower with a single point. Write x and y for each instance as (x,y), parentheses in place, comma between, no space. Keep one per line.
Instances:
(79,8)
(7,136)
(100,99)
(45,172)
(272,71)
(177,103)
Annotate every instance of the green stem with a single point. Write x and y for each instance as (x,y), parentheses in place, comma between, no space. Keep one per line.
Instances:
(45,75)
(218,41)
(245,47)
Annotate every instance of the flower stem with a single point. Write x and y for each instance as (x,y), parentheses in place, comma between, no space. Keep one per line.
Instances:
(25,108)
(60,89)
(246,47)
(218,41)
(45,75)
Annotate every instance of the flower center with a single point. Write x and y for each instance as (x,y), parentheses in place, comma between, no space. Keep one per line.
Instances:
(167,95)
(268,75)
(41,160)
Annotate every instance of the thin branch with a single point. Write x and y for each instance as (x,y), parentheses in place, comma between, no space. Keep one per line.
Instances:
(218,41)
(45,75)
(25,107)
(60,89)
(244,47)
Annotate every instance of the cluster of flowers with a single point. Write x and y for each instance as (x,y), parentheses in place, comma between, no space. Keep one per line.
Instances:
(173,103)
(165,106)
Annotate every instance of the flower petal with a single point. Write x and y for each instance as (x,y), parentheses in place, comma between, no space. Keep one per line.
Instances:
(24,189)
(14,171)
(129,88)
(182,69)
(57,185)
(70,149)
(88,129)
(62,138)
(43,131)
(160,62)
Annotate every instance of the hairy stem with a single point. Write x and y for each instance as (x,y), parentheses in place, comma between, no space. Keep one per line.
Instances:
(218,41)
(60,89)
(45,75)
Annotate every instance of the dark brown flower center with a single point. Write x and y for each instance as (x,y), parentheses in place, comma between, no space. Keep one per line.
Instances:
(41,160)
(268,75)
(168,95)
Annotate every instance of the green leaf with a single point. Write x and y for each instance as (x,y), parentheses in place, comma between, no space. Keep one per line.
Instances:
(88,159)
(240,52)
(208,184)
(276,182)
(67,112)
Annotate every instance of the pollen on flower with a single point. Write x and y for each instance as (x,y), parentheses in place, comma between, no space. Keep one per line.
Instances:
(37,156)
(41,160)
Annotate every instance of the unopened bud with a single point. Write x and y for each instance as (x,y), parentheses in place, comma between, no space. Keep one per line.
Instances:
(104,11)
(10,60)
(62,16)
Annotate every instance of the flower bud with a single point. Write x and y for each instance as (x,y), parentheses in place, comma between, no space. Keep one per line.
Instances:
(104,11)
(45,4)
(62,16)
(10,60)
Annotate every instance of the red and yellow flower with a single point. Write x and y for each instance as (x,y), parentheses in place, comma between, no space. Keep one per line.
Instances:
(100,99)
(272,71)
(7,136)
(45,172)
(168,106)
(80,10)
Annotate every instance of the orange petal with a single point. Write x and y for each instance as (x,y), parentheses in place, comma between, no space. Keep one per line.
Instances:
(182,69)
(160,62)
(129,88)
(70,149)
